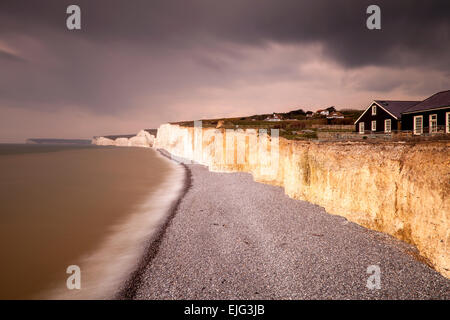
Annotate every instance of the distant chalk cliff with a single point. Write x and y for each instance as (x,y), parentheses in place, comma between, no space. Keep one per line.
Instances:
(142,139)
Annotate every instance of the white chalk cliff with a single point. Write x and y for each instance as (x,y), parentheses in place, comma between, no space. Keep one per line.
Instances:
(142,139)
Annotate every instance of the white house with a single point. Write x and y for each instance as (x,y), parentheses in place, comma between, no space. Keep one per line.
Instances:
(323,112)
(274,117)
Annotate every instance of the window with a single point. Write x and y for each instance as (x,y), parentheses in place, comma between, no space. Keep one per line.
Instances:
(374,125)
(361,127)
(433,123)
(418,124)
(387,125)
(447,122)
(374,110)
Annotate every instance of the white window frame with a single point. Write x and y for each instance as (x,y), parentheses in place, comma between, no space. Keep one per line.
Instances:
(430,123)
(447,122)
(386,121)
(414,125)
(373,125)
(361,126)
(374,110)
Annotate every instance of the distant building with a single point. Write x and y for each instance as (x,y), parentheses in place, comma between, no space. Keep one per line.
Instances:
(274,117)
(335,115)
(324,112)
(309,114)
(382,116)
(432,115)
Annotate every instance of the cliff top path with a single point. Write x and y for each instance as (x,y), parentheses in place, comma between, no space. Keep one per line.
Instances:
(233,238)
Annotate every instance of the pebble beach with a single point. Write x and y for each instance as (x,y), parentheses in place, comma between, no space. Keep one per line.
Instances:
(229,237)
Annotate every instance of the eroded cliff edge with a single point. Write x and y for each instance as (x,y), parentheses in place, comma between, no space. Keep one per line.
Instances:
(398,188)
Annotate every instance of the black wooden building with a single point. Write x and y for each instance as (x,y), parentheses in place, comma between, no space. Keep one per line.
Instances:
(382,116)
(432,115)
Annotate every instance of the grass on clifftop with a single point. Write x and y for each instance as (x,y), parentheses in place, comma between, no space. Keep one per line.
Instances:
(289,129)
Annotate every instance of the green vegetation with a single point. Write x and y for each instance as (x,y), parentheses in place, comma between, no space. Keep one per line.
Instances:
(295,126)
(305,135)
(351,113)
(236,123)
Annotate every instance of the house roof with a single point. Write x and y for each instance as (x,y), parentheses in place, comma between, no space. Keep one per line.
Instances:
(437,100)
(393,107)
(396,107)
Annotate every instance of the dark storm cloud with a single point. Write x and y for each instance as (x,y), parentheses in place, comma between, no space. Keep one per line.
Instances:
(159,55)
(419,28)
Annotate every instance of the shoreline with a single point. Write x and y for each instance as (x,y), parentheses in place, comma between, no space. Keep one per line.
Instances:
(133,283)
(109,266)
(92,208)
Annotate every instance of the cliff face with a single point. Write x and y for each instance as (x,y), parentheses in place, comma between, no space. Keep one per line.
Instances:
(102,141)
(400,189)
(142,139)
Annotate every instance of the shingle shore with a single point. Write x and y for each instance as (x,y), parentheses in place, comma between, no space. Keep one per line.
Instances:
(233,238)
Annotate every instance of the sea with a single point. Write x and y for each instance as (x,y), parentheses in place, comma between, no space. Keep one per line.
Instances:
(75,220)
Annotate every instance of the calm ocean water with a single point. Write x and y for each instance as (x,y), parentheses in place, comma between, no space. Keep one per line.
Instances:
(93,207)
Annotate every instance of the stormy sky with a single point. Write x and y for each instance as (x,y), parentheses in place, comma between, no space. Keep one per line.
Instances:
(136,64)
